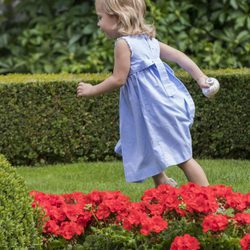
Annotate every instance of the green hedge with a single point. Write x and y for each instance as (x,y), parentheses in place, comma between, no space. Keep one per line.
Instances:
(17,223)
(42,120)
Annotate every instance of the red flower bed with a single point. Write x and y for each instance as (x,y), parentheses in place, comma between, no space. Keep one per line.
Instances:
(211,210)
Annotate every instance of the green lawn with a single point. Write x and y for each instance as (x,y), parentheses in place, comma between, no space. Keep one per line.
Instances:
(85,177)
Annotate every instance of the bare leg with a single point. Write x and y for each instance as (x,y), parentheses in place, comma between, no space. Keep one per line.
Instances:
(161,178)
(194,172)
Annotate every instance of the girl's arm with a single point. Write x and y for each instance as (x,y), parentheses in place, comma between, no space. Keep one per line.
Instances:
(174,55)
(117,79)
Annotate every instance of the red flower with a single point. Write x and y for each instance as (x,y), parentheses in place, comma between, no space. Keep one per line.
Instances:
(242,218)
(155,224)
(198,199)
(51,227)
(163,194)
(150,196)
(220,190)
(168,197)
(95,197)
(72,211)
(247,200)
(84,219)
(138,219)
(155,209)
(133,219)
(214,223)
(103,212)
(55,213)
(237,201)
(69,229)
(245,242)
(158,224)
(185,242)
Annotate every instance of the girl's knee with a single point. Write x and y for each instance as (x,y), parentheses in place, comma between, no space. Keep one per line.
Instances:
(158,176)
(185,163)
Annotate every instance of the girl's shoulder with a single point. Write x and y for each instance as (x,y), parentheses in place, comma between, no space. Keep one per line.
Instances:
(138,44)
(136,38)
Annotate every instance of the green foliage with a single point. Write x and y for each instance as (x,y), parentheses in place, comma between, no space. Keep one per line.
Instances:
(42,120)
(108,237)
(62,36)
(50,37)
(208,241)
(17,223)
(222,242)
(111,237)
(214,33)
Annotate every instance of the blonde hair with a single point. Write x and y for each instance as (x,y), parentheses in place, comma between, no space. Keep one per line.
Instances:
(130,14)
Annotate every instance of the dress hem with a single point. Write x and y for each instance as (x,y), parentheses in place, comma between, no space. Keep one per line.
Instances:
(141,180)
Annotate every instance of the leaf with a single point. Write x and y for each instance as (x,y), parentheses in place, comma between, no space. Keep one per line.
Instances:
(234,4)
(4,40)
(222,17)
(243,36)
(48,68)
(85,8)
(4,65)
(74,38)
(89,29)
(240,21)
(248,23)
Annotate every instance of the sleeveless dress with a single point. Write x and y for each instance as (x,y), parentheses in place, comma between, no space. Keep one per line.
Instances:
(156,113)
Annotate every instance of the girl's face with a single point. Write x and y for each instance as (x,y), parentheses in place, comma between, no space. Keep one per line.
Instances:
(107,23)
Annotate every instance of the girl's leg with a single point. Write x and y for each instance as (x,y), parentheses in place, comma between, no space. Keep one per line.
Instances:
(161,178)
(194,172)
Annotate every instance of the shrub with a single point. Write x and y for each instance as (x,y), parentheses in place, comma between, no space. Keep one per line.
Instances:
(17,222)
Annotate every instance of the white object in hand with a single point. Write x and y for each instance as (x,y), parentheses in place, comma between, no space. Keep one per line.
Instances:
(213,89)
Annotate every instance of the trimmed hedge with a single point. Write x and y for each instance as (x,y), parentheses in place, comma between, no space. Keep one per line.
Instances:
(17,223)
(42,120)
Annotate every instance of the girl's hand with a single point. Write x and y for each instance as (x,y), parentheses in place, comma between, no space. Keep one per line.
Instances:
(202,82)
(85,89)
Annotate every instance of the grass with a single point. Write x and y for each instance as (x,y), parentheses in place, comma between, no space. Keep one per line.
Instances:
(86,177)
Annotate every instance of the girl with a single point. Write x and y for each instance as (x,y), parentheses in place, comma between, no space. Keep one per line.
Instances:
(156,110)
